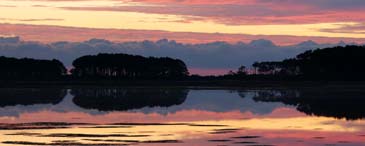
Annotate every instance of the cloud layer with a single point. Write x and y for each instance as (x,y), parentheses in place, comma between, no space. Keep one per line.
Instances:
(243,12)
(325,18)
(48,34)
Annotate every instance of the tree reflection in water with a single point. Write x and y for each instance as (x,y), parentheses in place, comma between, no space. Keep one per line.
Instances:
(31,96)
(121,99)
(339,103)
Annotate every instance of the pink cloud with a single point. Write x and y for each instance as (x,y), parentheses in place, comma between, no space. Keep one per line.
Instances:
(47,34)
(199,2)
(357,28)
(244,12)
(232,14)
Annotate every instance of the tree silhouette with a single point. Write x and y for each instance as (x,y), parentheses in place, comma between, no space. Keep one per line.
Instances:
(242,70)
(338,63)
(30,69)
(125,66)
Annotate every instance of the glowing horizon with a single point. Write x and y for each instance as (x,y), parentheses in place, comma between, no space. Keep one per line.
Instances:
(252,17)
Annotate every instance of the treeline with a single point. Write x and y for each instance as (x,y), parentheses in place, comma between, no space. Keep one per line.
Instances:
(28,69)
(101,66)
(128,67)
(337,63)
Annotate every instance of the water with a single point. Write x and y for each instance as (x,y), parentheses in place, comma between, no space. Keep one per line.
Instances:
(182,116)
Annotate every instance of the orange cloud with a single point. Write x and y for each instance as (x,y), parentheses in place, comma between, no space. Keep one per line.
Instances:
(47,34)
(195,2)
(243,12)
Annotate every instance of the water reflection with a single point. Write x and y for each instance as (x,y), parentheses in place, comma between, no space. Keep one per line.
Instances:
(338,103)
(328,102)
(119,99)
(182,116)
(30,96)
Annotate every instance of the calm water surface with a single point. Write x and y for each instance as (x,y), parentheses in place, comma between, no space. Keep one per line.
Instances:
(182,116)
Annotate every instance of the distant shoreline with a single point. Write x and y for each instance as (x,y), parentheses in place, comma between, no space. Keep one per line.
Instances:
(190,84)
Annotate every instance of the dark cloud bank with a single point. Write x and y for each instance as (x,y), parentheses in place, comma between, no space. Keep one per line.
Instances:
(215,55)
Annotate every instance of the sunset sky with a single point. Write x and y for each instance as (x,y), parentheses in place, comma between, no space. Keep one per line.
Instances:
(325,18)
(284,22)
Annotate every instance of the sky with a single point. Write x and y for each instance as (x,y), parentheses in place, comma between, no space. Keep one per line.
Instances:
(284,22)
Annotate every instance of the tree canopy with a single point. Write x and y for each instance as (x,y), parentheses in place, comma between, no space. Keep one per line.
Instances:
(128,67)
(30,69)
(329,63)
